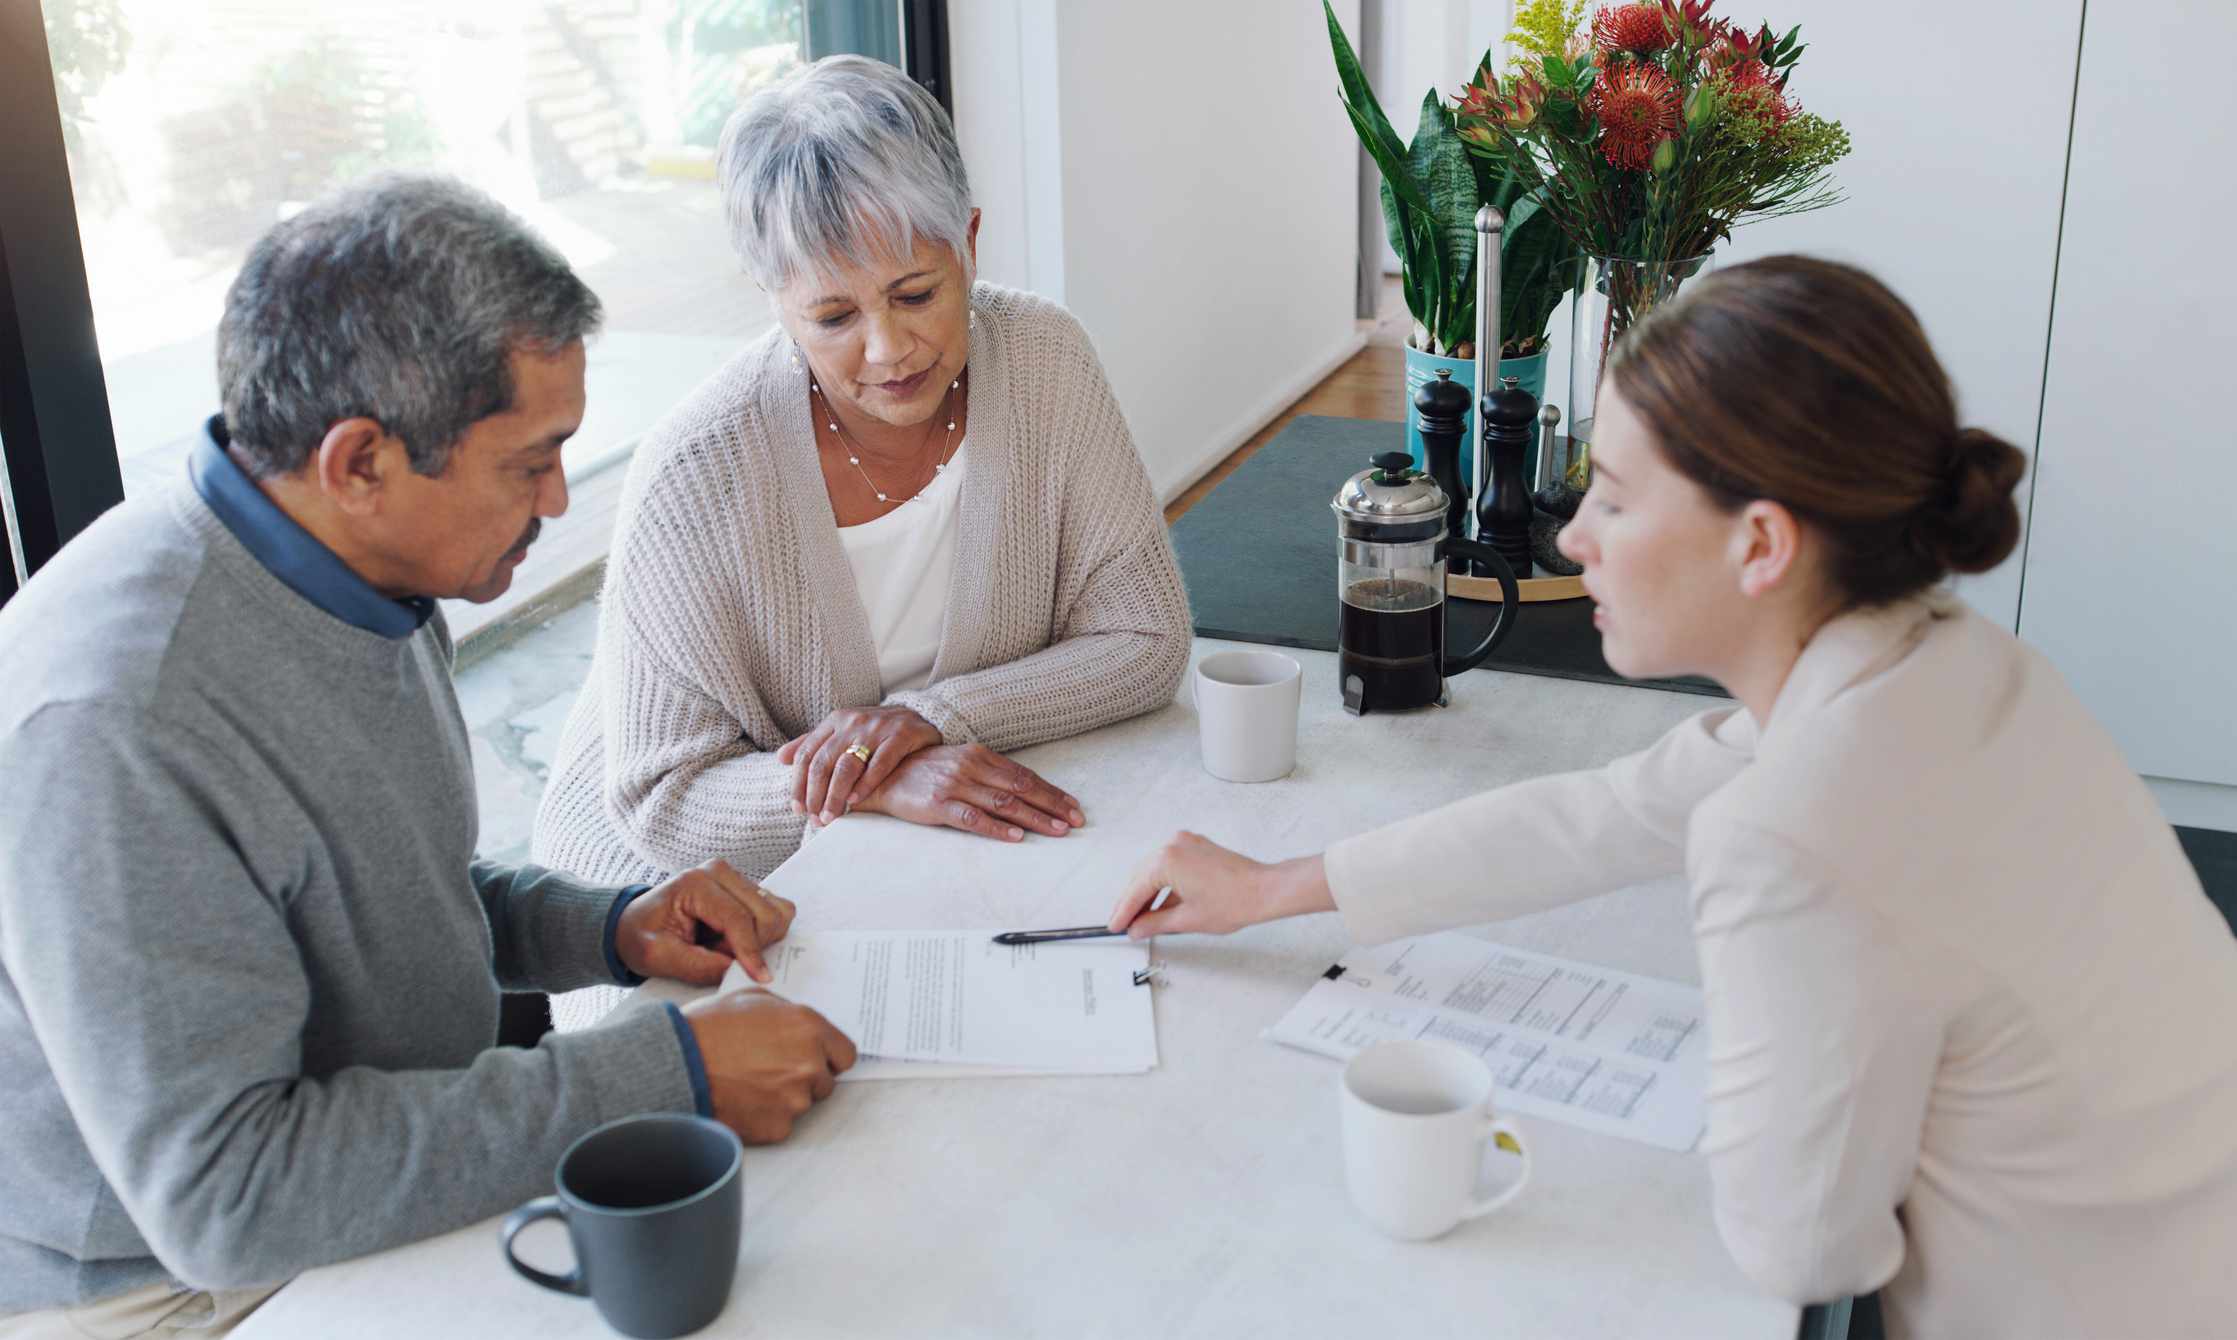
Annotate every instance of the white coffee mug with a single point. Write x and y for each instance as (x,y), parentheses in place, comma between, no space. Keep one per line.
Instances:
(1246,714)
(1417,1118)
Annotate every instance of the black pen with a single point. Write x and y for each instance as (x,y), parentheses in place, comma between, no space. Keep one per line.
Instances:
(1045,937)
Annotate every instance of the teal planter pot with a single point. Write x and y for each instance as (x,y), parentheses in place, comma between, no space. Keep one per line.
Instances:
(1421,367)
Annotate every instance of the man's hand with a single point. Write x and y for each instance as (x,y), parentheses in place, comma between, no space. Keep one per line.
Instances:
(1212,890)
(849,754)
(969,786)
(693,926)
(768,1061)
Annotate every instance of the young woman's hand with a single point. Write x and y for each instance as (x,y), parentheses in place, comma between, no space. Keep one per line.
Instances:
(969,786)
(849,754)
(1213,890)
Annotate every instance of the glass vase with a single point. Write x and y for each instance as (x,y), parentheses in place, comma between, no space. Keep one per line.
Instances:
(1616,293)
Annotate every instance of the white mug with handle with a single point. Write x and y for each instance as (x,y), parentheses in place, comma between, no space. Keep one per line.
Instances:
(1417,1120)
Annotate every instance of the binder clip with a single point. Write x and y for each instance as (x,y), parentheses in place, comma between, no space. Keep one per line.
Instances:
(1153,973)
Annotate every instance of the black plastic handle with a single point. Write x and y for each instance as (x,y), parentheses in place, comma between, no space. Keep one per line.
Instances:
(547,1207)
(1510,602)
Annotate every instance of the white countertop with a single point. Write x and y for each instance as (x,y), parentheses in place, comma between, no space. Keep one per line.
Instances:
(1205,1198)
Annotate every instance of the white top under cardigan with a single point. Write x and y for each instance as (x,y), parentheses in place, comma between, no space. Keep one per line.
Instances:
(903,563)
(1972,1022)
(728,623)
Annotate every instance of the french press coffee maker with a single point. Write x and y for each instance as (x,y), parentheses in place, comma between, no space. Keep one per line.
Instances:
(1393,539)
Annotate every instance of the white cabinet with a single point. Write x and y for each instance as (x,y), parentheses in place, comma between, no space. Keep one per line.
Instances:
(1958,114)
(2131,560)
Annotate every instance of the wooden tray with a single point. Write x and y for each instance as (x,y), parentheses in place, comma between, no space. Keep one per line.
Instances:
(1533,589)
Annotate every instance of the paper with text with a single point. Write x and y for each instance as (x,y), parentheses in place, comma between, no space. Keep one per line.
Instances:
(1589,1046)
(936,1004)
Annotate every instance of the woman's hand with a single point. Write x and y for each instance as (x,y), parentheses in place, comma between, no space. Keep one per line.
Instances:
(969,786)
(830,772)
(1213,890)
(693,926)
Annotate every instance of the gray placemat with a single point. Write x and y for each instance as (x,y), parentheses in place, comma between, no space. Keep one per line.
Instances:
(1259,556)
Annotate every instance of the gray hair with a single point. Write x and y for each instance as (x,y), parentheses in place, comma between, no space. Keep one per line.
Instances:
(841,159)
(399,299)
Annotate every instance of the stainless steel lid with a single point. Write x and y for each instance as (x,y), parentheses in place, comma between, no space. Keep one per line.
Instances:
(1391,492)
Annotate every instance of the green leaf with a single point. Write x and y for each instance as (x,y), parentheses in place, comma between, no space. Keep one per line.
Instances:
(1521,212)
(1359,97)
(1509,189)
(1397,221)
(1440,161)
(1394,168)
(1429,273)
(1538,266)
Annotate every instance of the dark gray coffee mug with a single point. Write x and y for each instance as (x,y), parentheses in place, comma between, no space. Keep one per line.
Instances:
(652,1204)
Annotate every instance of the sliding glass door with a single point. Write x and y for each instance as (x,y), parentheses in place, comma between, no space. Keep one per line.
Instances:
(189,128)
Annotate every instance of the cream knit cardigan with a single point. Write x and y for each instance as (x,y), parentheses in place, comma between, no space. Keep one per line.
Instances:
(730,621)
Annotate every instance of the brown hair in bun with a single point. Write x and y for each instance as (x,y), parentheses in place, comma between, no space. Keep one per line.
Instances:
(1809,383)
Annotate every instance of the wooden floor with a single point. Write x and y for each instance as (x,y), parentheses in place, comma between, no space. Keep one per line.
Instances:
(1369,386)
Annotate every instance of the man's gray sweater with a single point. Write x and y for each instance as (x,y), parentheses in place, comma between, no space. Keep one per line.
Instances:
(249,968)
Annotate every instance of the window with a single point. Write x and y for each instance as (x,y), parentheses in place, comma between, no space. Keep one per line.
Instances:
(188,129)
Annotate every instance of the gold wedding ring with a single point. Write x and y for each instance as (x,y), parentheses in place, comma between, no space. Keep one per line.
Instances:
(859,750)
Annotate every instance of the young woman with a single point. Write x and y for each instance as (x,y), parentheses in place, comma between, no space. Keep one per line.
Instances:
(1969,1011)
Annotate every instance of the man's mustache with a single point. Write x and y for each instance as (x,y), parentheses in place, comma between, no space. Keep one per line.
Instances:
(528,536)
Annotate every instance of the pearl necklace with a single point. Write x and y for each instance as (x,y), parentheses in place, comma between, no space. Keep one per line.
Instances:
(854,449)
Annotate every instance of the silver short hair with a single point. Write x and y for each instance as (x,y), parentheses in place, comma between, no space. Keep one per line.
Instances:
(401,299)
(840,161)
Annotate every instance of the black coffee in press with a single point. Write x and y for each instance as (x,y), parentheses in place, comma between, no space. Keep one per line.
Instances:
(1391,634)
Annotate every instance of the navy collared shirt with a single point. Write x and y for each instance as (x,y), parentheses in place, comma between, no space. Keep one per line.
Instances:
(288,551)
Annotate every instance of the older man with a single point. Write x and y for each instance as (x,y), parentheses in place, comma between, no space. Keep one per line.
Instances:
(249,966)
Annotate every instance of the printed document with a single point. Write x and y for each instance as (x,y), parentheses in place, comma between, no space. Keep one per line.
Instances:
(937,1004)
(1592,1047)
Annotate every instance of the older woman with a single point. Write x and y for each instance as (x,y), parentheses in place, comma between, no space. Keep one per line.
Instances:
(901,535)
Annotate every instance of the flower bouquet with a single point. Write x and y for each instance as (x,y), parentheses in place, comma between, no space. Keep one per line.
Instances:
(1646,132)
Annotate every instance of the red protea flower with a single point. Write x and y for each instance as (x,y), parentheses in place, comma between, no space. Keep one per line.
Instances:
(1727,51)
(1735,46)
(1476,99)
(1515,109)
(1750,91)
(1691,17)
(1519,108)
(1638,109)
(1636,30)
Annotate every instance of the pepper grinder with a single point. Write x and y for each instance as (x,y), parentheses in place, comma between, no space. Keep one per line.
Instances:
(1441,409)
(1503,507)
(1554,494)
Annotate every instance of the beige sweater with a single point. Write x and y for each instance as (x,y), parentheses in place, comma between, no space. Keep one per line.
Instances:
(1968,1008)
(730,621)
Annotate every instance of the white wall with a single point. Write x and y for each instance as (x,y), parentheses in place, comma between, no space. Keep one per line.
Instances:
(1003,66)
(1953,188)
(2131,554)
(1181,176)
(1429,44)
